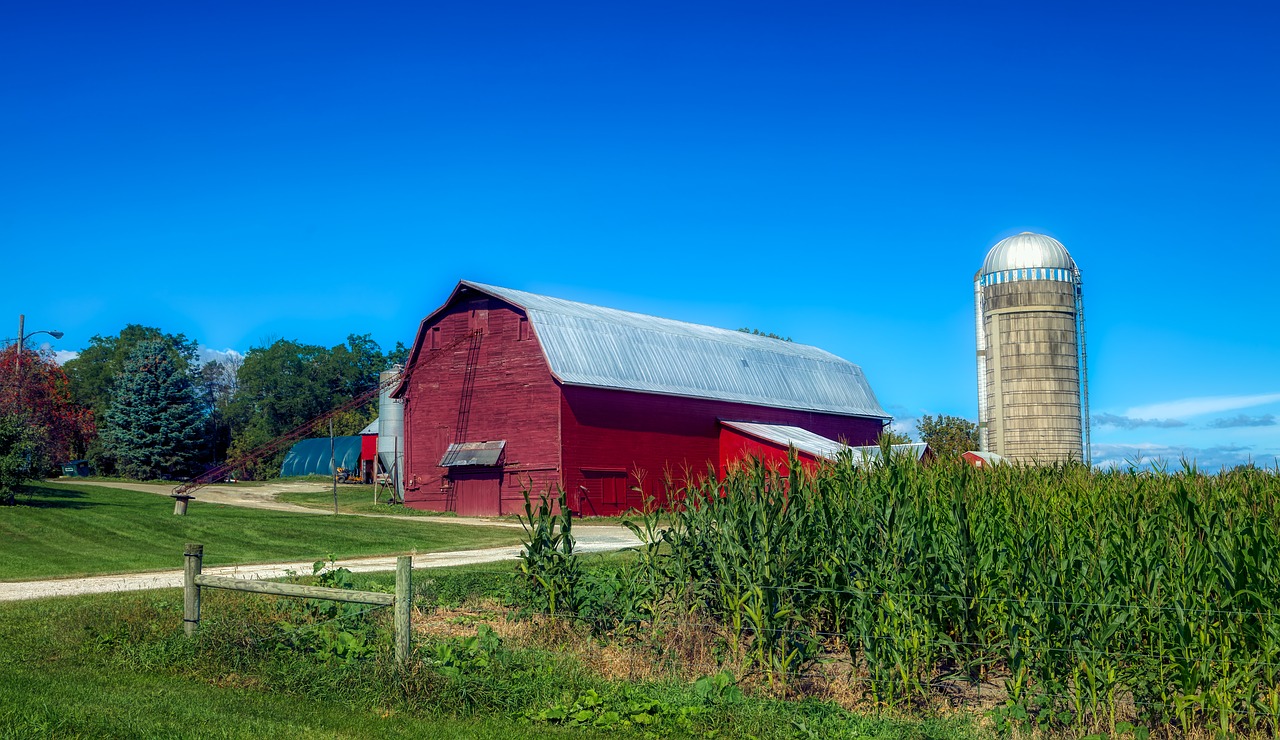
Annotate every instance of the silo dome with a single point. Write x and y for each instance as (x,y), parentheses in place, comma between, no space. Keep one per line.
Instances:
(1027,250)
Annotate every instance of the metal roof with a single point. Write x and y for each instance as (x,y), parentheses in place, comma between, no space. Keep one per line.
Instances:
(606,348)
(1027,250)
(312,456)
(815,444)
(462,454)
(372,427)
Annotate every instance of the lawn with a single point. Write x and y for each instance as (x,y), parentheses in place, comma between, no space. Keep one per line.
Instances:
(61,676)
(354,499)
(117,665)
(65,530)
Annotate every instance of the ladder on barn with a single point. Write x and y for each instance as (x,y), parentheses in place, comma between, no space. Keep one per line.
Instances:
(468,387)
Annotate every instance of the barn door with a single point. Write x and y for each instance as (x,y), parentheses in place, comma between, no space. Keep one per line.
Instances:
(477,492)
(606,492)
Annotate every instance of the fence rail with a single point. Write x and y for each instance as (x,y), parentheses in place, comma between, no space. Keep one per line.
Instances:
(400,602)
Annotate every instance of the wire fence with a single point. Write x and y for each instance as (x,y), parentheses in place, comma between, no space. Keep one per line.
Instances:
(672,641)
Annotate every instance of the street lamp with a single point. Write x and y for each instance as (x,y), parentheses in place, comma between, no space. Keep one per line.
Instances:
(22,338)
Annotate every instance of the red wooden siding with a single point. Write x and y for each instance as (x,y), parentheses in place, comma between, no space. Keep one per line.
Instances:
(650,438)
(512,396)
(609,449)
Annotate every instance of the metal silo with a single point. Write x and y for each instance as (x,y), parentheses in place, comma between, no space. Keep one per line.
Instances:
(1033,393)
(391,430)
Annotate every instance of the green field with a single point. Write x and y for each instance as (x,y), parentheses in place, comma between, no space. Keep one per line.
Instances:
(117,665)
(64,530)
(61,676)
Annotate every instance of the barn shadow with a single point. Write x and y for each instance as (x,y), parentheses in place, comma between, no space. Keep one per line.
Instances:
(39,497)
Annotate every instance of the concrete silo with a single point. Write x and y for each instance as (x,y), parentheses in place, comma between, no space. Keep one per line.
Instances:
(1033,392)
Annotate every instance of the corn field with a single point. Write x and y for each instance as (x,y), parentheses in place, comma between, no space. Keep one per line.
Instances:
(1088,596)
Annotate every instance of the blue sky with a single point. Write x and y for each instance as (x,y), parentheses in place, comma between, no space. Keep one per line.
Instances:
(834,172)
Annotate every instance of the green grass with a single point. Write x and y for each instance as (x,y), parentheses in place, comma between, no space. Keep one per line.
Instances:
(117,665)
(61,677)
(65,530)
(354,499)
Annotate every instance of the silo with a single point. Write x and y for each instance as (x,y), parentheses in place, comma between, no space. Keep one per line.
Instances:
(1033,394)
(391,429)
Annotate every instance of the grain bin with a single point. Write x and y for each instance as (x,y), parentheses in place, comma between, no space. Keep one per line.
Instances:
(1033,393)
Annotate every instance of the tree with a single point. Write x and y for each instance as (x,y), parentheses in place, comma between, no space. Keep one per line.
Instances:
(769,334)
(286,384)
(154,428)
(216,388)
(93,371)
(17,450)
(37,392)
(948,436)
(893,437)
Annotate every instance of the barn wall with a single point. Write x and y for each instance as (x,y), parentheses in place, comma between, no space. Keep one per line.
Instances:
(610,434)
(513,397)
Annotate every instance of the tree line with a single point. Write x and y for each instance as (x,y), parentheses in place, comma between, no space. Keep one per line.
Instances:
(142,405)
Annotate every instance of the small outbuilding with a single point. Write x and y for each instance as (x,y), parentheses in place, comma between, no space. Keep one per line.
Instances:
(508,391)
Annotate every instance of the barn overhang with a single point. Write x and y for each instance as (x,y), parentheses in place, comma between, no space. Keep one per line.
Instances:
(815,445)
(473,454)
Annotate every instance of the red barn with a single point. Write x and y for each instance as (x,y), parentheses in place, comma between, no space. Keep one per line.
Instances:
(511,391)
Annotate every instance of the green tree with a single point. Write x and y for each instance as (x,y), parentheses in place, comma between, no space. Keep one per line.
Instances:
(758,333)
(92,373)
(948,436)
(287,384)
(889,435)
(155,425)
(17,453)
(399,355)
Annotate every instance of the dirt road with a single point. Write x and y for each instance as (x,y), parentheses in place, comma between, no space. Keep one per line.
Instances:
(264,496)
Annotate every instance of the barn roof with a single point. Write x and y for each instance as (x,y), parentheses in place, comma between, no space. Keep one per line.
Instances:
(601,347)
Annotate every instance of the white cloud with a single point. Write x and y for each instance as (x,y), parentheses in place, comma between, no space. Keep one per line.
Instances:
(1146,454)
(1126,422)
(63,356)
(211,355)
(1197,406)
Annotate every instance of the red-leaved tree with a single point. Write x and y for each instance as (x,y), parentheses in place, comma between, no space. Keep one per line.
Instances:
(36,392)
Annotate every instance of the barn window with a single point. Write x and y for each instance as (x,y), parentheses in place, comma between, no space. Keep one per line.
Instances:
(523,334)
(435,338)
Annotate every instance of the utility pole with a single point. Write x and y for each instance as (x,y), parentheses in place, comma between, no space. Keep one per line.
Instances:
(18,361)
(333,468)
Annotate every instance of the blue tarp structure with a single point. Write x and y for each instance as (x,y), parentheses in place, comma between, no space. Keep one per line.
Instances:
(311,456)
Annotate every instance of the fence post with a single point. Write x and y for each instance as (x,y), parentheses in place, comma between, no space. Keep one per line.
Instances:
(193,556)
(404,602)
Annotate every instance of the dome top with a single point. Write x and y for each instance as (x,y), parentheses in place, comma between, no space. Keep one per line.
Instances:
(1027,250)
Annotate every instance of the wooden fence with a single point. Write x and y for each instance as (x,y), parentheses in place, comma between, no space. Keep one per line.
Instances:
(400,603)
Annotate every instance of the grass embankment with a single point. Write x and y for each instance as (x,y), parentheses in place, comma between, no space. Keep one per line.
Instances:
(354,499)
(118,665)
(64,530)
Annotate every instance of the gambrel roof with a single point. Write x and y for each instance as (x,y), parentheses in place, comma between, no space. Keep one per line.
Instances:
(600,347)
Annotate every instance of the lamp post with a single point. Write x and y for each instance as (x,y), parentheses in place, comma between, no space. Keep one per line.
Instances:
(22,338)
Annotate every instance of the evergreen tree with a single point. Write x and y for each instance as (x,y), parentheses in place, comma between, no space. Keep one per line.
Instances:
(16,452)
(155,425)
